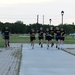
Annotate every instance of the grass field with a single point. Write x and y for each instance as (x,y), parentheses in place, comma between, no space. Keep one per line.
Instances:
(16,39)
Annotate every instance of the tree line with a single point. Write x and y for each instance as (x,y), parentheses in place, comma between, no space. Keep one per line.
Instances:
(20,28)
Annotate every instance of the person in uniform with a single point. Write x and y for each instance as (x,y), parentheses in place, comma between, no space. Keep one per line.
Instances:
(51,36)
(47,37)
(62,36)
(32,37)
(40,36)
(6,32)
(57,37)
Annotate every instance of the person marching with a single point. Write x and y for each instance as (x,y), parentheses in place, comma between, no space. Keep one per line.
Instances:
(62,36)
(47,37)
(32,37)
(5,33)
(51,36)
(40,36)
(58,37)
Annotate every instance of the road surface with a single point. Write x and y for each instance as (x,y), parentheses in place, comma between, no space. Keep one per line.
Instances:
(43,61)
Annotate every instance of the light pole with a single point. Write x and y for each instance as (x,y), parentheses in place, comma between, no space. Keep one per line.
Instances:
(62,13)
(43,19)
(37,23)
(37,19)
(50,21)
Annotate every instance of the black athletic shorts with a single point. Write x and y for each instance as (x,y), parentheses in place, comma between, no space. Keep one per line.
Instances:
(32,38)
(52,38)
(47,38)
(58,38)
(62,38)
(40,37)
(6,37)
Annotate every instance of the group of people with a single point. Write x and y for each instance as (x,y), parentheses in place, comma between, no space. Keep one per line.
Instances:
(50,34)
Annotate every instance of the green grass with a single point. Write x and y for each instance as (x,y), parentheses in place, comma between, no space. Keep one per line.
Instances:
(69,40)
(16,39)
(2,41)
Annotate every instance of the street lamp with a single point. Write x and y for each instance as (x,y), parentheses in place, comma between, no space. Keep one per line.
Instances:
(62,13)
(50,21)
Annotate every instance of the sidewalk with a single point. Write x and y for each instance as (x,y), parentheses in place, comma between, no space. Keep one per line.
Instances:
(10,59)
(69,48)
(40,61)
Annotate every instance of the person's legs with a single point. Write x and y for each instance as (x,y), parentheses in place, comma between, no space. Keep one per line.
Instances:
(33,44)
(47,44)
(5,37)
(41,43)
(62,40)
(31,40)
(47,41)
(52,42)
(7,42)
(58,43)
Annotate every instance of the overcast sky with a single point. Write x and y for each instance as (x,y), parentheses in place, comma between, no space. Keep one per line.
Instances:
(27,11)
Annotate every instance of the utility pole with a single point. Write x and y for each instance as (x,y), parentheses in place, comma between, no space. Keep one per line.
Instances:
(37,19)
(37,22)
(43,19)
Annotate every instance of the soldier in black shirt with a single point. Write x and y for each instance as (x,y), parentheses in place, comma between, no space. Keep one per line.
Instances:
(58,37)
(40,36)
(52,36)
(62,35)
(6,36)
(32,37)
(47,37)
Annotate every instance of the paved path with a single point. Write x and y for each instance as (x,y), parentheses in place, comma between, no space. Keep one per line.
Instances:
(40,61)
(10,59)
